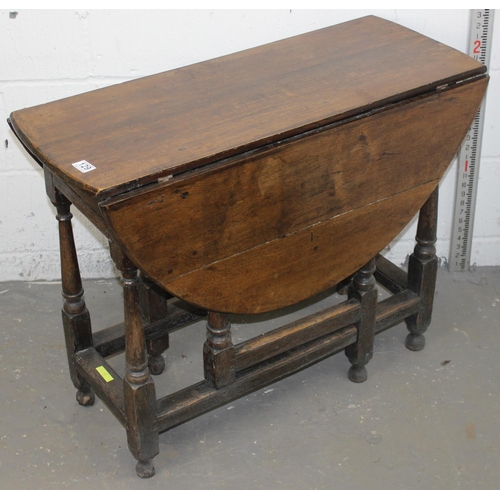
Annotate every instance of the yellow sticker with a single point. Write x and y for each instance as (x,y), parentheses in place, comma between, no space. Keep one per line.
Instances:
(104,374)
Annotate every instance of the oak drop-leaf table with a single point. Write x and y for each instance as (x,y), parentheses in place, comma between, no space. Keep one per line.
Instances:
(245,184)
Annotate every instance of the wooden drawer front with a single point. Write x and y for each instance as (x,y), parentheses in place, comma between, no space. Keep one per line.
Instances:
(235,237)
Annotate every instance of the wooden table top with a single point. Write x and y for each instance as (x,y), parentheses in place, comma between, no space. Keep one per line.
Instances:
(148,128)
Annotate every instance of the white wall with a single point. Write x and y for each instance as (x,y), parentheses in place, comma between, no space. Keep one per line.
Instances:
(50,54)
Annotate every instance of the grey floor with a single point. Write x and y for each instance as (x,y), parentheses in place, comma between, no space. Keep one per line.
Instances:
(426,420)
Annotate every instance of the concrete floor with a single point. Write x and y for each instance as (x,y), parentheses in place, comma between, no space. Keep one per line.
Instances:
(426,420)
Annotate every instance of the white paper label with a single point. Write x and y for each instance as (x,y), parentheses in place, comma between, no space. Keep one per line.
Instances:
(84,166)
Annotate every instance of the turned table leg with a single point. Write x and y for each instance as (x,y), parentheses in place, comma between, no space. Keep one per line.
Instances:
(363,289)
(422,270)
(138,386)
(75,315)
(218,351)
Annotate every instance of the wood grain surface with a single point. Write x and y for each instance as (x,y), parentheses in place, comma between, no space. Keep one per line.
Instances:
(291,269)
(275,226)
(171,122)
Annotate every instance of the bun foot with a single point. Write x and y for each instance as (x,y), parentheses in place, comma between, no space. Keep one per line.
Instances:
(85,397)
(415,341)
(357,373)
(156,364)
(145,469)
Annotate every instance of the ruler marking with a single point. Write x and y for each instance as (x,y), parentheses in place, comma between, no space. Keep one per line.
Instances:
(481,21)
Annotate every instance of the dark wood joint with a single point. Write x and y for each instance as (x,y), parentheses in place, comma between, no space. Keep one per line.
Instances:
(219,359)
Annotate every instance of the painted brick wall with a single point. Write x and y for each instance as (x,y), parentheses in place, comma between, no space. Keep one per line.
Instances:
(51,54)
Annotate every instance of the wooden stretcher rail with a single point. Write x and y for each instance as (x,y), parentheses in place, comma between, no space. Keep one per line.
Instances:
(395,309)
(259,361)
(391,277)
(110,341)
(110,392)
(295,334)
(200,398)
(268,361)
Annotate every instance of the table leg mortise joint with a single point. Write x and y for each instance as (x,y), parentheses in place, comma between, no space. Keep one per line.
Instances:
(284,181)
